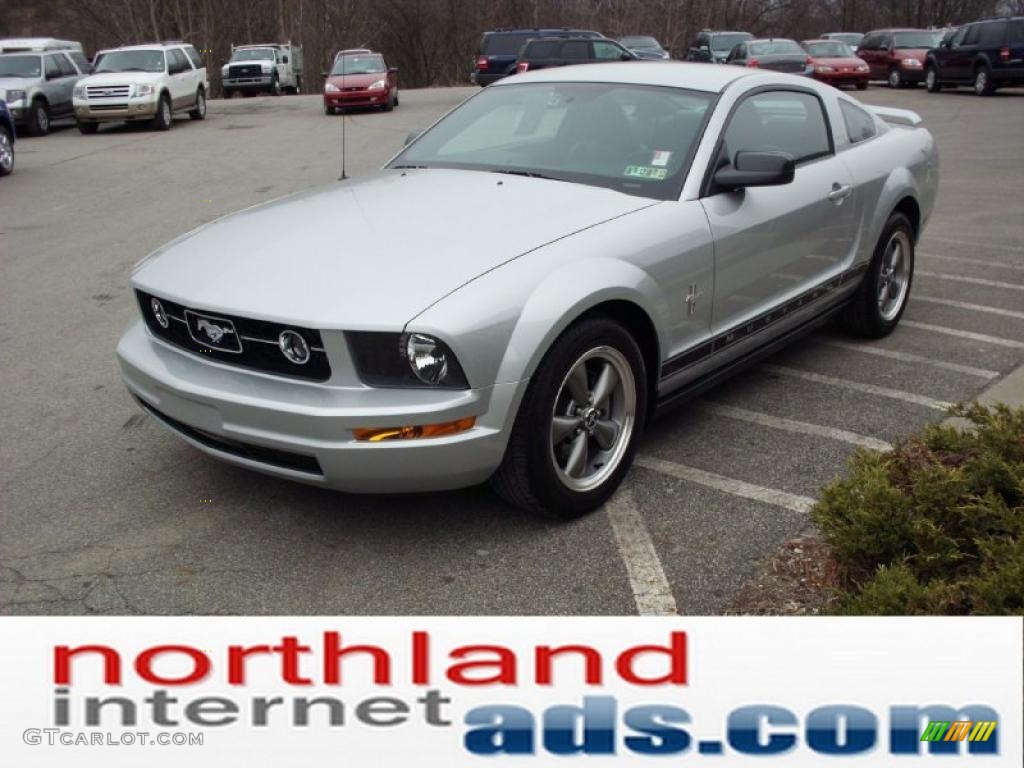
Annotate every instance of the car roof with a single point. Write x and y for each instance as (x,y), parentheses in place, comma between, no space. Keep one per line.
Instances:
(145,47)
(772,40)
(37,45)
(675,74)
(526,30)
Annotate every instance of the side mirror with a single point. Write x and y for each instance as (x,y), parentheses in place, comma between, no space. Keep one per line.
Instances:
(756,169)
(626,57)
(705,48)
(324,74)
(284,59)
(393,70)
(413,135)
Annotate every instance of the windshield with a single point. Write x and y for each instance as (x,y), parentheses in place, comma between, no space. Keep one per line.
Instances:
(640,41)
(358,64)
(21,66)
(850,38)
(130,61)
(636,139)
(916,39)
(253,54)
(833,49)
(725,43)
(772,47)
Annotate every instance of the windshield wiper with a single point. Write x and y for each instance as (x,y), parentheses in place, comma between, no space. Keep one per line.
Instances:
(528,174)
(402,167)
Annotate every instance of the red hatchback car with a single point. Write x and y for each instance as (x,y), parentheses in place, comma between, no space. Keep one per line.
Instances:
(360,79)
(897,55)
(835,63)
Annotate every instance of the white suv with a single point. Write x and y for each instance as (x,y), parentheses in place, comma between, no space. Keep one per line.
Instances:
(142,82)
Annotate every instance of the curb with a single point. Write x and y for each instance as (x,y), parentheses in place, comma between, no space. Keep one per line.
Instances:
(1008,390)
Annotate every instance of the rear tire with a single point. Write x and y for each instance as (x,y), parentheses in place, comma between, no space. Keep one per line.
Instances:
(872,314)
(164,116)
(568,453)
(895,79)
(228,93)
(931,80)
(38,123)
(87,129)
(199,113)
(862,86)
(6,152)
(983,85)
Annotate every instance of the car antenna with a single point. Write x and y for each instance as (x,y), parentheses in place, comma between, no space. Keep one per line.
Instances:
(343,120)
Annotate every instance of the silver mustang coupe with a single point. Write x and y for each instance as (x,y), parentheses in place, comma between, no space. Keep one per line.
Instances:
(516,292)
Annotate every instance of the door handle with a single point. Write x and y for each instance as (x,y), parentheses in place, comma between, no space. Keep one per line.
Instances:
(840,192)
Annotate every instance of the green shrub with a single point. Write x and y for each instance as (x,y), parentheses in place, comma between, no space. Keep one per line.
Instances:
(936,526)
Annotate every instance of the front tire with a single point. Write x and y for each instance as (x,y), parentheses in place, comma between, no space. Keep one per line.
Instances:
(199,113)
(862,85)
(38,118)
(87,128)
(275,86)
(882,297)
(931,80)
(578,425)
(6,152)
(164,116)
(895,79)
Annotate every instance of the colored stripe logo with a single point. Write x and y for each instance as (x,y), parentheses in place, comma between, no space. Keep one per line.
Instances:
(961,730)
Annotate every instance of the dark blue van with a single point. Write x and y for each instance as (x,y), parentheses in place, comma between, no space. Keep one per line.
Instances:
(498,50)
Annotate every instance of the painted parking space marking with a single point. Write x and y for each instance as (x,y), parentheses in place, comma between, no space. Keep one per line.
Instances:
(976,245)
(972,280)
(966,305)
(790,501)
(857,386)
(798,427)
(982,337)
(647,580)
(978,262)
(906,357)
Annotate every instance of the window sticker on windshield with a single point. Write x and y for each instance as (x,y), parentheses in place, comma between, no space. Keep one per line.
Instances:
(661,158)
(645,172)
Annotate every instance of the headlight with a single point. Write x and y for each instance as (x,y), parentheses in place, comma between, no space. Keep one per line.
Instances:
(79,93)
(13,96)
(377,84)
(331,88)
(911,63)
(405,360)
(224,70)
(145,89)
(863,68)
(266,69)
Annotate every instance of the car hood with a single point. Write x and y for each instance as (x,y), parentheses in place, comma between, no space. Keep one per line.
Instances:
(838,61)
(373,254)
(120,78)
(18,83)
(357,81)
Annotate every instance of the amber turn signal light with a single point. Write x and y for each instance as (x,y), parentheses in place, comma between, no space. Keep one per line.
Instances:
(380,434)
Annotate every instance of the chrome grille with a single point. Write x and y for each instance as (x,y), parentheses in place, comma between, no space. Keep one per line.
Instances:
(108,91)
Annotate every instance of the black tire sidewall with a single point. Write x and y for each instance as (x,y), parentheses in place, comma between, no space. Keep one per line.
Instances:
(896,221)
(158,120)
(534,418)
(10,142)
(35,127)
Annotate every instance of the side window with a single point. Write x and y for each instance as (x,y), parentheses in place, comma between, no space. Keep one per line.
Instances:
(67,69)
(83,63)
(175,60)
(576,49)
(186,62)
(736,52)
(991,35)
(778,121)
(958,38)
(868,43)
(860,126)
(52,66)
(194,56)
(1015,32)
(604,50)
(973,32)
(884,42)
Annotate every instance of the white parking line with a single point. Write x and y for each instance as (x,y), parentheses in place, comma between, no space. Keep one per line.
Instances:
(857,386)
(976,245)
(782,499)
(967,260)
(971,280)
(906,357)
(799,427)
(965,305)
(983,337)
(647,580)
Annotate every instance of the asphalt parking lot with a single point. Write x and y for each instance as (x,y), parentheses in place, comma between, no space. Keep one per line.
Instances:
(103,511)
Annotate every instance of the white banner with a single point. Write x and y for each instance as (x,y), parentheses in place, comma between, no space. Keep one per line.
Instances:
(517,692)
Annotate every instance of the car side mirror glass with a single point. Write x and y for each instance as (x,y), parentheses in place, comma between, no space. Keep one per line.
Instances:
(411,137)
(756,169)
(625,57)
(393,70)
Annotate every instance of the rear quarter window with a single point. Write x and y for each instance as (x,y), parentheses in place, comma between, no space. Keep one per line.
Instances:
(546,49)
(1015,31)
(502,45)
(992,35)
(860,126)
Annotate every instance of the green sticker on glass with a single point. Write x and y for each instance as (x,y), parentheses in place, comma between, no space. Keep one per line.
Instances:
(645,172)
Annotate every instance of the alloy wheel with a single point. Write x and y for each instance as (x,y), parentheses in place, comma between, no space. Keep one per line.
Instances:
(6,152)
(593,418)
(894,276)
(894,78)
(981,82)
(42,118)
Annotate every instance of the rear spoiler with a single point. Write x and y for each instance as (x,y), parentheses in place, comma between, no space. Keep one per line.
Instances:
(894,116)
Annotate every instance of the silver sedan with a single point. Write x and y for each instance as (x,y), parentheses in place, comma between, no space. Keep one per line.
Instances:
(520,289)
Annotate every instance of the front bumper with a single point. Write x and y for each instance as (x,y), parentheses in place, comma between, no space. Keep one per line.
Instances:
(356,98)
(842,78)
(104,110)
(303,431)
(247,83)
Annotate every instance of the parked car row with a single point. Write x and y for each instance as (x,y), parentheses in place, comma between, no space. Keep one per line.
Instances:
(986,54)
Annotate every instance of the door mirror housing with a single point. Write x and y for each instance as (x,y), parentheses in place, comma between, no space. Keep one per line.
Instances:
(284,59)
(411,137)
(756,169)
(393,70)
(704,47)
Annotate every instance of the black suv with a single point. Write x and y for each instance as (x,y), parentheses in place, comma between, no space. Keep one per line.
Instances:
(558,51)
(498,50)
(985,54)
(715,45)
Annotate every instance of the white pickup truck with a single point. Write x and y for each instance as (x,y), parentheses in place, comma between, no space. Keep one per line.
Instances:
(265,67)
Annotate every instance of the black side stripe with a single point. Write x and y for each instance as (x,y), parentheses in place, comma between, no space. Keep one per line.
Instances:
(727,338)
